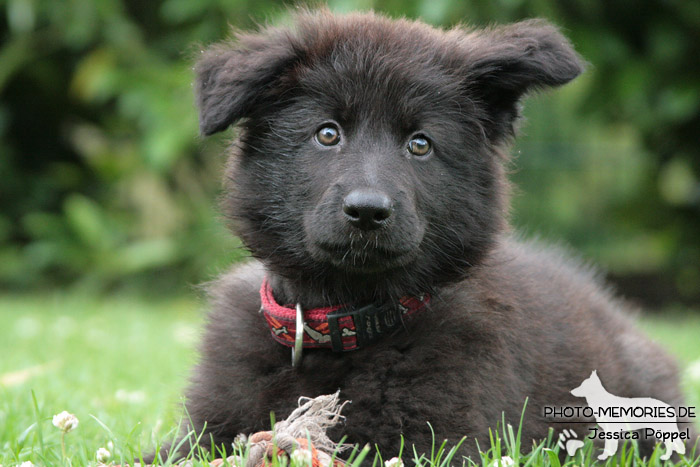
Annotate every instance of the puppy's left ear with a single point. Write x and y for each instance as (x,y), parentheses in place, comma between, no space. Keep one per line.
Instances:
(507,62)
(233,78)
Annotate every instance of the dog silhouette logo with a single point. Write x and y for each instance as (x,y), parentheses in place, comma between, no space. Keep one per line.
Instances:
(618,414)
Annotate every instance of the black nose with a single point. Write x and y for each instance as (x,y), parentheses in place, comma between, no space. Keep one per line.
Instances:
(367,209)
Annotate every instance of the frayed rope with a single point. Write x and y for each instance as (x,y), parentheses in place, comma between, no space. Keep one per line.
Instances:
(302,436)
(307,423)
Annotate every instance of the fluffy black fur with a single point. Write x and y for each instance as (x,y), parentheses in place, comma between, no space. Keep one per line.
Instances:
(508,321)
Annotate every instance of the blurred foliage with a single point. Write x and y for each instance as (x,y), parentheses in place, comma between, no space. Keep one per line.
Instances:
(105,183)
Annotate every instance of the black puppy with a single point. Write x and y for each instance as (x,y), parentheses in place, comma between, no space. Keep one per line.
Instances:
(368,181)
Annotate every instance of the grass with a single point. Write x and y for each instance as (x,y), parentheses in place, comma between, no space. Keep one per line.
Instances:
(120,365)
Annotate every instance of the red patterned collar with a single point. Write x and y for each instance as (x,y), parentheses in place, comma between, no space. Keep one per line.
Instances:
(339,327)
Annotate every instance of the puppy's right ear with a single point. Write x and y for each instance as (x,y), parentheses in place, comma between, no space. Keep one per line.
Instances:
(232,78)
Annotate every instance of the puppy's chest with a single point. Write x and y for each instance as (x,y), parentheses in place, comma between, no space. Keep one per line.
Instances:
(408,358)
(418,373)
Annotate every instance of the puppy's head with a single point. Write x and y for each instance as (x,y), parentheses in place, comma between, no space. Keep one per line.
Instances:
(370,149)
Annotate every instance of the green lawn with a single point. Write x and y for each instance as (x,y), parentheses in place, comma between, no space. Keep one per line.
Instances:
(121,360)
(120,365)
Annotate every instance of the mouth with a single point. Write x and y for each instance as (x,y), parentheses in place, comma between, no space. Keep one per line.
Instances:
(365,258)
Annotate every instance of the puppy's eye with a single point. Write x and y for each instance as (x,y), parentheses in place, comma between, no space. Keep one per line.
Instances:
(328,135)
(419,146)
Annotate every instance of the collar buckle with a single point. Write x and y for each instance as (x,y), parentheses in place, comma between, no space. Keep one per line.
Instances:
(366,324)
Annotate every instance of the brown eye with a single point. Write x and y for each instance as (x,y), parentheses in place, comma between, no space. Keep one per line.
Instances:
(419,146)
(328,136)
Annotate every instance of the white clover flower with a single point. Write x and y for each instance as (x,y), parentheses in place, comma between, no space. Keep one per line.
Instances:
(506,461)
(693,371)
(26,464)
(393,462)
(103,455)
(240,441)
(130,397)
(302,456)
(65,421)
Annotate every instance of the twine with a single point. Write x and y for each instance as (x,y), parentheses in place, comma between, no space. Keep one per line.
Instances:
(308,422)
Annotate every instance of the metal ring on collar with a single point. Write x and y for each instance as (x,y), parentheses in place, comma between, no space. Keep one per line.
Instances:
(298,349)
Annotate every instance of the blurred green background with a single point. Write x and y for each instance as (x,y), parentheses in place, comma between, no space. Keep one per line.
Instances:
(106,187)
